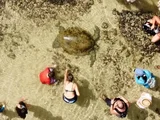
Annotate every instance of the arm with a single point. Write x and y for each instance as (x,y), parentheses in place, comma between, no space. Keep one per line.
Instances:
(22,99)
(155,20)
(77,91)
(65,75)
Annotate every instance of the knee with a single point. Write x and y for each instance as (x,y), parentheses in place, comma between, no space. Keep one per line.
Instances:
(155,38)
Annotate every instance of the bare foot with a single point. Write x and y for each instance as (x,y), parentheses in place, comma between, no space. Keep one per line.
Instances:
(103,97)
(157,67)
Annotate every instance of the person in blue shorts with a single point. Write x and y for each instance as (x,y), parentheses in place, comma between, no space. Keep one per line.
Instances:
(144,77)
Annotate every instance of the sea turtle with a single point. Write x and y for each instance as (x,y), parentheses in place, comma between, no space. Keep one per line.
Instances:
(77,41)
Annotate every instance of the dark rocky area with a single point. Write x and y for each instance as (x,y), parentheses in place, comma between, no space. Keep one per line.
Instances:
(130,25)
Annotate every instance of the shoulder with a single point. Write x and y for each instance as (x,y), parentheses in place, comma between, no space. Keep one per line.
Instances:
(75,84)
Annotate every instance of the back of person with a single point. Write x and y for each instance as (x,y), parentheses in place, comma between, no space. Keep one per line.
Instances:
(43,76)
(118,106)
(47,76)
(69,90)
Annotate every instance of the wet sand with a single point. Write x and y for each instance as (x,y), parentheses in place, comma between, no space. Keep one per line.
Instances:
(27,31)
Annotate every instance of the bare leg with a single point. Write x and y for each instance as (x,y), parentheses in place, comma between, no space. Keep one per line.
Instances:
(157,67)
(156,19)
(156,38)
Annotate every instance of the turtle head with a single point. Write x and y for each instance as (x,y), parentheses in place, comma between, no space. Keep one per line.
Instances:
(96,35)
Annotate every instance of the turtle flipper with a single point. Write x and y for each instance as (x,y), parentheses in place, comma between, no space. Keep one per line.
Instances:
(92,57)
(96,34)
(55,43)
(61,29)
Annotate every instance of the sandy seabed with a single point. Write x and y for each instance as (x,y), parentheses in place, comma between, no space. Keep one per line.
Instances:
(27,31)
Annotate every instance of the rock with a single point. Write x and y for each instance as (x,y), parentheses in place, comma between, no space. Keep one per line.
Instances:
(104,25)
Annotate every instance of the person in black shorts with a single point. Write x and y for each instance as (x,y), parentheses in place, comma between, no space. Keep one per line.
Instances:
(118,106)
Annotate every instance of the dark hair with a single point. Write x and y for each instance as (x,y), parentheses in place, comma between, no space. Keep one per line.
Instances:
(70,77)
(51,74)
(22,111)
(147,28)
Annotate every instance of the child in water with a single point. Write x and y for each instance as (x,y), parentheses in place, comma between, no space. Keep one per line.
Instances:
(144,77)
(47,76)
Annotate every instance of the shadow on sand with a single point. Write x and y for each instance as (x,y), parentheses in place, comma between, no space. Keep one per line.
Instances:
(136,113)
(62,2)
(86,94)
(142,5)
(42,113)
(10,114)
(155,106)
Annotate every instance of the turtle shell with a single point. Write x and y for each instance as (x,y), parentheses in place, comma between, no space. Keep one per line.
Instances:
(75,40)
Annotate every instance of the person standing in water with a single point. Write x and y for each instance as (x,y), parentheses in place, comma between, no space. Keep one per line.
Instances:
(71,91)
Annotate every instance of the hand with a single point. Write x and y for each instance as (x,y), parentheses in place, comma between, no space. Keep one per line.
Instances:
(23,99)
(67,70)
(54,66)
(152,27)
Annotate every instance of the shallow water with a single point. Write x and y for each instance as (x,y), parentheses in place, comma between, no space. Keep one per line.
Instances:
(27,32)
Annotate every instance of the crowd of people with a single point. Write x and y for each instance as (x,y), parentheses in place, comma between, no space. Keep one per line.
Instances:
(119,106)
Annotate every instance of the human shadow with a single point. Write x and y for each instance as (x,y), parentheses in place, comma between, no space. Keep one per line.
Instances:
(142,5)
(42,113)
(86,94)
(10,114)
(62,2)
(157,86)
(155,106)
(135,113)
